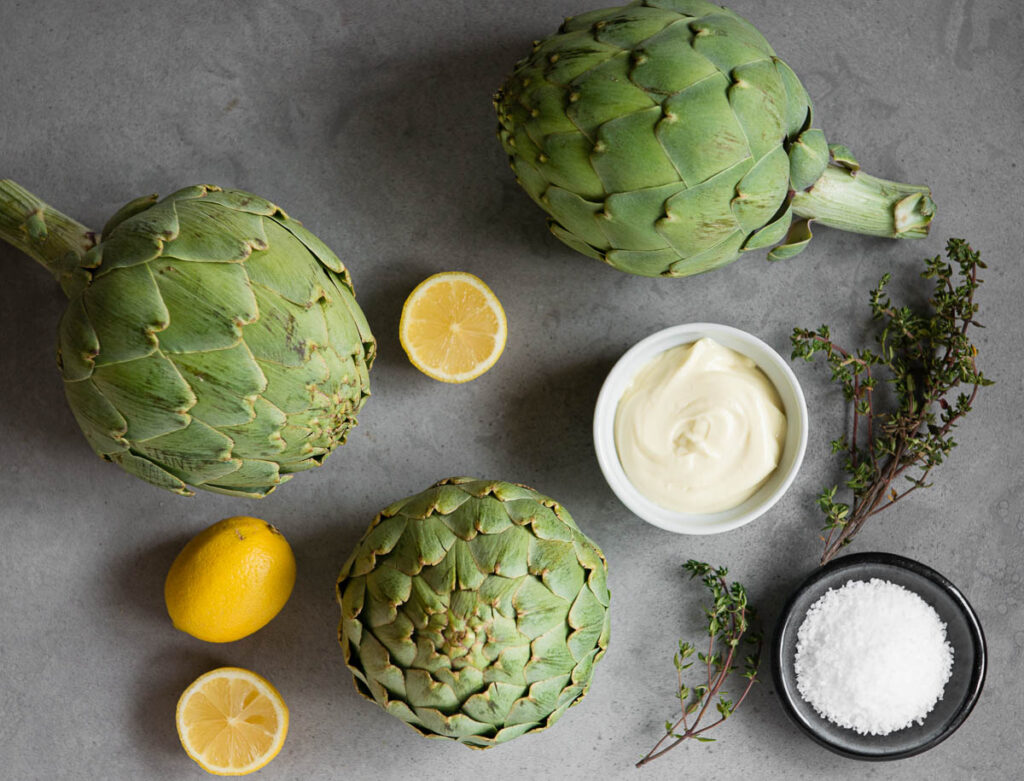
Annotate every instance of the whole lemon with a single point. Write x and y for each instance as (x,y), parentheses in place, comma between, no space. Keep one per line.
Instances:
(230,580)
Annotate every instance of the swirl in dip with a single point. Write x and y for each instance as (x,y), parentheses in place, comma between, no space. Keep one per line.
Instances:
(700,428)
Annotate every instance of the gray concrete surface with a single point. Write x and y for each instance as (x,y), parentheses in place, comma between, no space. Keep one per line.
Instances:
(371,121)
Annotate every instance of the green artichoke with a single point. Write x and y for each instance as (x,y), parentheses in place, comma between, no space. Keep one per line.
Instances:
(210,340)
(474,611)
(665,138)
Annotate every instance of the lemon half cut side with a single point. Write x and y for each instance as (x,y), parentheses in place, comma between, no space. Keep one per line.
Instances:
(453,327)
(231,721)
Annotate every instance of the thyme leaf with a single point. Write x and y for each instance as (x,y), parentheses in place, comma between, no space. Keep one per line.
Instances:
(930,363)
(729,625)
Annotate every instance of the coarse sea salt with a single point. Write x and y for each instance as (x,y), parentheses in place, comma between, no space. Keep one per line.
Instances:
(873,657)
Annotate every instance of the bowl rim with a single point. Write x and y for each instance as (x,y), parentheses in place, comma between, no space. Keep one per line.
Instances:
(629,363)
(978,670)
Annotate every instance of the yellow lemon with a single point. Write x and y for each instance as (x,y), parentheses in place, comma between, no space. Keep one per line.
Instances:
(231,721)
(453,327)
(230,580)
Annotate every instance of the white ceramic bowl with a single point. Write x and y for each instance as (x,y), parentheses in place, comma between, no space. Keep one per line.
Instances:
(775,368)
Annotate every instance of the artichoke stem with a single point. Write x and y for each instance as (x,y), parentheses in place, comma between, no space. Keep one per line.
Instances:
(855,201)
(53,239)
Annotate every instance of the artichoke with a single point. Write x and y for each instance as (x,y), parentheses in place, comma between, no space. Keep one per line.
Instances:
(474,611)
(665,138)
(209,340)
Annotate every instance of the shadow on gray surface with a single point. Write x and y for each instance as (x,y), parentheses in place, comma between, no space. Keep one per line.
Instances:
(31,304)
(411,137)
(546,432)
(166,675)
(137,584)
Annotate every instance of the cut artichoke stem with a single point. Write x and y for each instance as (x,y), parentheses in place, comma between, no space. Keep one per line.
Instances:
(56,241)
(861,203)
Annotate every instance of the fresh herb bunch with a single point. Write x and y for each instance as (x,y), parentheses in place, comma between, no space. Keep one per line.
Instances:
(927,357)
(729,624)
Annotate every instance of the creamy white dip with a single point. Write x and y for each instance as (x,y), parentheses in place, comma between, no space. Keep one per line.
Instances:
(700,428)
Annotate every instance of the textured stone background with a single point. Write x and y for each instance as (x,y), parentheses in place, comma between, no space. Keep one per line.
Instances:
(371,121)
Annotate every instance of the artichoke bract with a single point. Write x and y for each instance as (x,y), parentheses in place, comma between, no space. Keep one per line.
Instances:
(665,138)
(209,340)
(474,611)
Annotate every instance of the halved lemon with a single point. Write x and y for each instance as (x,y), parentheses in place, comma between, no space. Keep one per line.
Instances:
(231,721)
(453,327)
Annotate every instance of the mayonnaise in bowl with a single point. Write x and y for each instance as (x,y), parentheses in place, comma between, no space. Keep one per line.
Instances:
(700,428)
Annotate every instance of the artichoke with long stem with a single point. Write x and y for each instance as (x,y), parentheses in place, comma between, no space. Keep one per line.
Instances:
(209,339)
(666,138)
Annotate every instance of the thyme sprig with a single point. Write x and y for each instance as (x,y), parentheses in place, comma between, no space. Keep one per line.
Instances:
(729,624)
(925,357)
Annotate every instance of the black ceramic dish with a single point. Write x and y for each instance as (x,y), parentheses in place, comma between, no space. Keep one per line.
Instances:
(962,630)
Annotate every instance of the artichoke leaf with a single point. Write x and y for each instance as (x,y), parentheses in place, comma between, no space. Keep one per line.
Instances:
(240,201)
(808,156)
(139,238)
(844,157)
(291,388)
(628,218)
(284,333)
(565,162)
(493,705)
(382,677)
(457,725)
(104,427)
(717,22)
(208,304)
(575,53)
(701,217)
(691,116)
(762,190)
(570,240)
(539,610)
(502,554)
(587,618)
(575,215)
(798,102)
(227,384)
(150,472)
(149,393)
(726,251)
(258,438)
(211,232)
(422,690)
(797,239)
(397,638)
(772,233)
(465,682)
(605,93)
(386,588)
(540,702)
(126,310)
(378,541)
(645,263)
(78,342)
(550,657)
(506,492)
(555,563)
(758,98)
(628,155)
(630,26)
(130,209)
(254,477)
(491,516)
(319,250)
(196,453)
(424,543)
(667,63)
(281,267)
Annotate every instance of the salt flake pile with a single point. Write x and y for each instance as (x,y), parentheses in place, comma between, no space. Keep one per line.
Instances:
(872,657)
